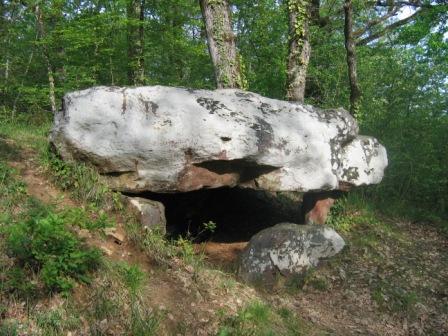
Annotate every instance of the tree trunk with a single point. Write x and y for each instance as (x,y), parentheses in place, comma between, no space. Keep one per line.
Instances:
(7,67)
(350,47)
(299,48)
(41,34)
(136,39)
(30,59)
(221,43)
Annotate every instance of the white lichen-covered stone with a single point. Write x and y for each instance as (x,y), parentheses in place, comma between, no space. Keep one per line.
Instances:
(362,161)
(166,139)
(287,249)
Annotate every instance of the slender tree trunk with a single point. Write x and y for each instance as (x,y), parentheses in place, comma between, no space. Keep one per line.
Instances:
(350,47)
(30,59)
(41,31)
(221,44)
(111,71)
(58,61)
(7,68)
(140,75)
(299,48)
(136,37)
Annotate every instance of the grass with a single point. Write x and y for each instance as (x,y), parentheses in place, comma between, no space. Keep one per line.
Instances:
(119,299)
(9,328)
(54,322)
(260,319)
(82,181)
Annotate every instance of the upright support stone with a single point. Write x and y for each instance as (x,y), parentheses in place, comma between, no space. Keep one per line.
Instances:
(151,214)
(317,205)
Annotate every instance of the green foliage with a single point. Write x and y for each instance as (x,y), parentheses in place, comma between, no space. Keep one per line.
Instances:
(46,246)
(263,45)
(11,188)
(206,228)
(350,212)
(409,115)
(55,321)
(259,319)
(161,250)
(83,181)
(185,250)
(9,328)
(209,226)
(252,320)
(118,299)
(153,242)
(91,219)
(76,177)
(132,278)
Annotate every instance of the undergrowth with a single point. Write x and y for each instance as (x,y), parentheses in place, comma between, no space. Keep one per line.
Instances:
(260,319)
(118,298)
(82,181)
(45,245)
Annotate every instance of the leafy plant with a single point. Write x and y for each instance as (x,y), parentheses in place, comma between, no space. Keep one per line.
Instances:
(11,189)
(91,219)
(50,249)
(132,277)
(9,328)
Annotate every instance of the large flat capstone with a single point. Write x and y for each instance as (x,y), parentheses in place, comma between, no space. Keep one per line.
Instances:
(166,139)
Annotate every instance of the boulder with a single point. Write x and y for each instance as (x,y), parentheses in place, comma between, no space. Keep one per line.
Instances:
(165,139)
(150,214)
(287,249)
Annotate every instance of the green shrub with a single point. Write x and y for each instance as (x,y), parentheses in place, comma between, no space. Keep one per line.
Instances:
(132,277)
(11,190)
(8,329)
(46,246)
(90,219)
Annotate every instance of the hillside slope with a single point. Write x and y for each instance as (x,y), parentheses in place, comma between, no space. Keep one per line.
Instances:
(391,279)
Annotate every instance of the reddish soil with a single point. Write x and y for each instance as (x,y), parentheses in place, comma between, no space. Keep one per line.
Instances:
(224,254)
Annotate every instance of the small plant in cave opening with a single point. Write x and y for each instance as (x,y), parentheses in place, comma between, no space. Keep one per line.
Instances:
(207,227)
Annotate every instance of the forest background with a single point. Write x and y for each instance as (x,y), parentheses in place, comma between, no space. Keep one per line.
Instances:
(51,47)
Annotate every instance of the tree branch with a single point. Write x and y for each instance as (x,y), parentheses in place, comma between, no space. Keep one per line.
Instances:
(389,28)
(376,21)
(415,4)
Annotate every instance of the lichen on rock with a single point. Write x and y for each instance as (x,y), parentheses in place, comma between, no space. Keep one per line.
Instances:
(287,249)
(165,139)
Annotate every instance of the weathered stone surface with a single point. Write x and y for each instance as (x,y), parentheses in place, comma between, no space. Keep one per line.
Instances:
(287,249)
(165,139)
(151,214)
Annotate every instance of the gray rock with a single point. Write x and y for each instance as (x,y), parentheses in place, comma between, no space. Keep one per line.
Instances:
(165,139)
(151,214)
(287,249)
